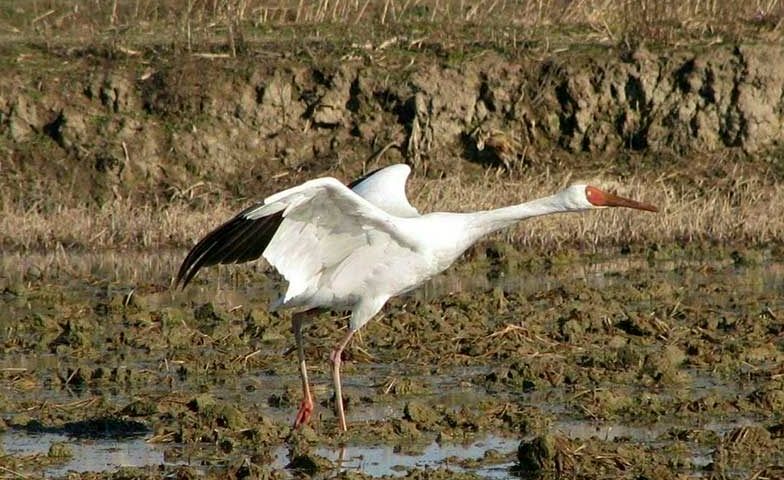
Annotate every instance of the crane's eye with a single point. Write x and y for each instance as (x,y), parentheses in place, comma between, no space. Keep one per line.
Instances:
(595,196)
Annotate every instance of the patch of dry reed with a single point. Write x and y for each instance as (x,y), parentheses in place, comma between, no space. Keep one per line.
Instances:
(190,22)
(735,210)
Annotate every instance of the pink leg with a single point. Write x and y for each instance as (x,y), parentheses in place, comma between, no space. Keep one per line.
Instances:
(306,407)
(336,361)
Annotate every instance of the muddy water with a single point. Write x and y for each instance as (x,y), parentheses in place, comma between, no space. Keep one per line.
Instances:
(94,455)
(652,365)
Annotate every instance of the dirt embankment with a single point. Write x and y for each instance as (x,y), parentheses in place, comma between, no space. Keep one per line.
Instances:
(96,128)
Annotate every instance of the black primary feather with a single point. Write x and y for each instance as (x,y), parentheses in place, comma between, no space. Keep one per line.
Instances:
(236,241)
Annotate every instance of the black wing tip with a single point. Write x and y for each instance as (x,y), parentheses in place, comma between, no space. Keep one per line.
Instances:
(228,243)
(181,282)
(184,275)
(187,278)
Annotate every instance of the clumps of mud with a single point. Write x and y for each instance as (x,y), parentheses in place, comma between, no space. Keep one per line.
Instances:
(628,371)
(551,456)
(750,448)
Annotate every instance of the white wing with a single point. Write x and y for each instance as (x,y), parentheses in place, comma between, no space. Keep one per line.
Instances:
(325,229)
(314,228)
(386,188)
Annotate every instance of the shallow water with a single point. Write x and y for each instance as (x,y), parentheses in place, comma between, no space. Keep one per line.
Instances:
(107,454)
(97,455)
(384,460)
(93,455)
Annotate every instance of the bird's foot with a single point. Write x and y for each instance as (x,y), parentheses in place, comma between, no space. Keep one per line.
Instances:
(304,413)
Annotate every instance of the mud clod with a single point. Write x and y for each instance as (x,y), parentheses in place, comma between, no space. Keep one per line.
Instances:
(309,464)
(218,414)
(201,403)
(302,459)
(663,366)
(408,386)
(421,414)
(60,450)
(140,408)
(544,453)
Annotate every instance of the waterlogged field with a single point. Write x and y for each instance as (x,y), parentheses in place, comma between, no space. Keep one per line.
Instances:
(645,365)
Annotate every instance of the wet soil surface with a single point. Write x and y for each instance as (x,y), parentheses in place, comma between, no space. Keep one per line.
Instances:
(652,365)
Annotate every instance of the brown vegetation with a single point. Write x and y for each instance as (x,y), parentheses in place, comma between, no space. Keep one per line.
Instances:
(194,20)
(733,210)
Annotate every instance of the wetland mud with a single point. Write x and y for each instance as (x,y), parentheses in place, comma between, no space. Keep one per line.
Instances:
(624,366)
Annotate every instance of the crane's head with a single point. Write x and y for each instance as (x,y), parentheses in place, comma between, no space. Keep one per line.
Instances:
(584,197)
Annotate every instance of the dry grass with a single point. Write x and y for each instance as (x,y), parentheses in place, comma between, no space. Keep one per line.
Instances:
(121,224)
(733,211)
(259,12)
(192,22)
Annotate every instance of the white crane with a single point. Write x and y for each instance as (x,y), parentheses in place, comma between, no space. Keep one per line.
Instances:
(354,247)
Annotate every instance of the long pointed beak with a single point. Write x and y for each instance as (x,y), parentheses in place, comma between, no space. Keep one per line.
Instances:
(612,200)
(600,198)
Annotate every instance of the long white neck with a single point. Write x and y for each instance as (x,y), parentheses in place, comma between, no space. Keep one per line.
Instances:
(488,221)
(455,232)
